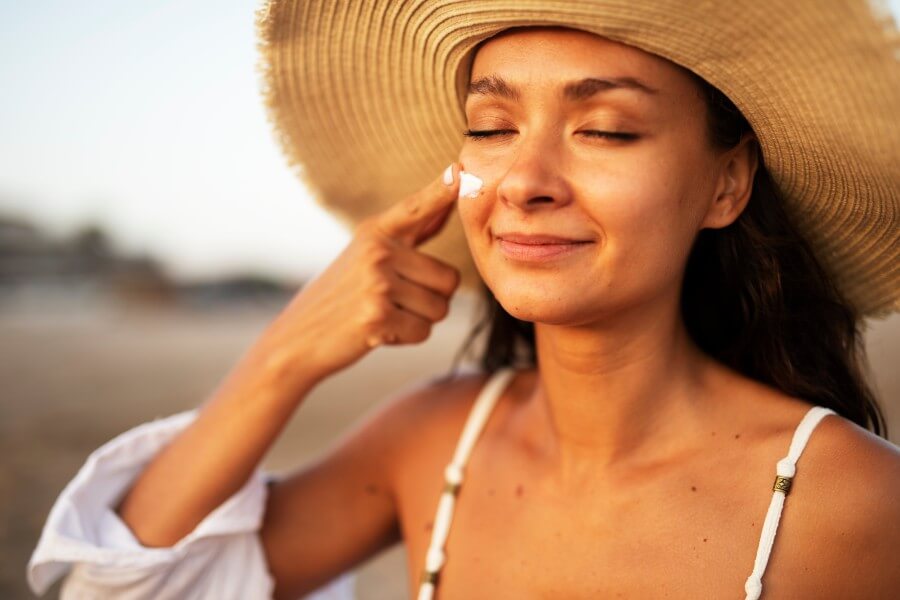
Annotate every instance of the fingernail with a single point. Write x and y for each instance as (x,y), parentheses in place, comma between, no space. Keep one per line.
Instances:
(448,175)
(469,185)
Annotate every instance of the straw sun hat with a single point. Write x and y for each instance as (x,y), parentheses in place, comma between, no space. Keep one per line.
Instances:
(366,98)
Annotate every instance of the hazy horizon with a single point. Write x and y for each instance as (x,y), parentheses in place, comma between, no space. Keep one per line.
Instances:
(146,119)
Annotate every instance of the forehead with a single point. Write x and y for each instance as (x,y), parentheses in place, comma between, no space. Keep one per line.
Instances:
(575,64)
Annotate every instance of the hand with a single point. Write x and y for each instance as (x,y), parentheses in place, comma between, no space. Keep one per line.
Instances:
(379,290)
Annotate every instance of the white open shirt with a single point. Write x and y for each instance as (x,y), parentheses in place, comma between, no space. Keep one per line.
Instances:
(221,558)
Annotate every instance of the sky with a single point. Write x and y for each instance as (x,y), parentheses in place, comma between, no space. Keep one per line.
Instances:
(145,117)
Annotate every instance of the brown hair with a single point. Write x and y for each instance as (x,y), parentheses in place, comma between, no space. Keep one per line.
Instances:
(754,297)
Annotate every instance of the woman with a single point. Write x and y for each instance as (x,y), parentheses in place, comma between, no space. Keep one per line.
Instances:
(661,340)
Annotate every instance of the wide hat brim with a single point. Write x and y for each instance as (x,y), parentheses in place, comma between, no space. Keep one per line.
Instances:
(366,98)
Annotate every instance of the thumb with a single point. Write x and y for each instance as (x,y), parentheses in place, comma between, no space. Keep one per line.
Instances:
(421,215)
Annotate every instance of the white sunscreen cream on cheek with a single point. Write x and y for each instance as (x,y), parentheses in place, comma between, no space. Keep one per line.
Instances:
(469,185)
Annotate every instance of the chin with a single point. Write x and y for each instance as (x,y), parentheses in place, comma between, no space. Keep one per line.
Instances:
(540,299)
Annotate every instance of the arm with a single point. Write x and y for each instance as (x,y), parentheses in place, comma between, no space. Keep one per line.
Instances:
(191,493)
(379,288)
(341,509)
(215,456)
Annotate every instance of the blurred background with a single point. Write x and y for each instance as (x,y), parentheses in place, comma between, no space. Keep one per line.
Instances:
(149,231)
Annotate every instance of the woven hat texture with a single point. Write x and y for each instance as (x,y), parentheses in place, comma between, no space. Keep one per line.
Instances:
(366,98)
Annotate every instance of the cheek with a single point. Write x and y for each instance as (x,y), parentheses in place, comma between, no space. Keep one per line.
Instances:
(646,216)
(636,202)
(474,214)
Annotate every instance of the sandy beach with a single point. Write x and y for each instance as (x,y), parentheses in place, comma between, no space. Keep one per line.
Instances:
(74,379)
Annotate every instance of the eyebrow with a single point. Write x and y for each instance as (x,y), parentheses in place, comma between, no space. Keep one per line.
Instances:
(577,91)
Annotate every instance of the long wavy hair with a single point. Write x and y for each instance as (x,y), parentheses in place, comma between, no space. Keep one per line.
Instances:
(754,297)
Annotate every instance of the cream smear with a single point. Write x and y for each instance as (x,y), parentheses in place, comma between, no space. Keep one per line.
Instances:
(469,185)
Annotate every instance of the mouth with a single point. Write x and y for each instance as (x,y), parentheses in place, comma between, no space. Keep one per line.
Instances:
(538,247)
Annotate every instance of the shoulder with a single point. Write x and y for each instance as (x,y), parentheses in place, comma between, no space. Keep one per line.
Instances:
(860,464)
(425,413)
(840,528)
(855,441)
(428,402)
(848,483)
(862,468)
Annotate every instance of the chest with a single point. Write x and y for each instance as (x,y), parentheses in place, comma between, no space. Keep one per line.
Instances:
(664,532)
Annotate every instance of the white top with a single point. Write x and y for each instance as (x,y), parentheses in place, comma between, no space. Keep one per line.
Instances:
(222,557)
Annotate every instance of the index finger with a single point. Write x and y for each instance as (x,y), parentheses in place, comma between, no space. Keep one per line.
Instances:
(408,219)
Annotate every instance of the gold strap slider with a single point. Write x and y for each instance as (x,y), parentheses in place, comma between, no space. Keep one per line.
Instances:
(782,484)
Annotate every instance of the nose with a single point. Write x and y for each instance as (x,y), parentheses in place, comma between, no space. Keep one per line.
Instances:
(534,181)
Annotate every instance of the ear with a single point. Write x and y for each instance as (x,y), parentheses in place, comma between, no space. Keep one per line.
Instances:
(735,183)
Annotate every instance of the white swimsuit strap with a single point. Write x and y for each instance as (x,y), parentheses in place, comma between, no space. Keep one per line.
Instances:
(480,412)
(784,473)
(453,475)
(478,416)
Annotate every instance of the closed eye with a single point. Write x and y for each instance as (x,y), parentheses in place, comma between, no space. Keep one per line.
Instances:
(487,133)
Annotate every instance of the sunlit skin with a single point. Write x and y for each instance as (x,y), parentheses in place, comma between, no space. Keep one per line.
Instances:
(618,376)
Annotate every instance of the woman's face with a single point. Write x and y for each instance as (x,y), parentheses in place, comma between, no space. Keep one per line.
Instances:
(636,201)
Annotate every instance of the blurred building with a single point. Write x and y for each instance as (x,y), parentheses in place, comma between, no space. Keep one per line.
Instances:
(86,265)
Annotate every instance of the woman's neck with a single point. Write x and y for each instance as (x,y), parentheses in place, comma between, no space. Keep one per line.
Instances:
(614,396)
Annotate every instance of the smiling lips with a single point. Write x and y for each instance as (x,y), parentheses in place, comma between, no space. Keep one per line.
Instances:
(538,247)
